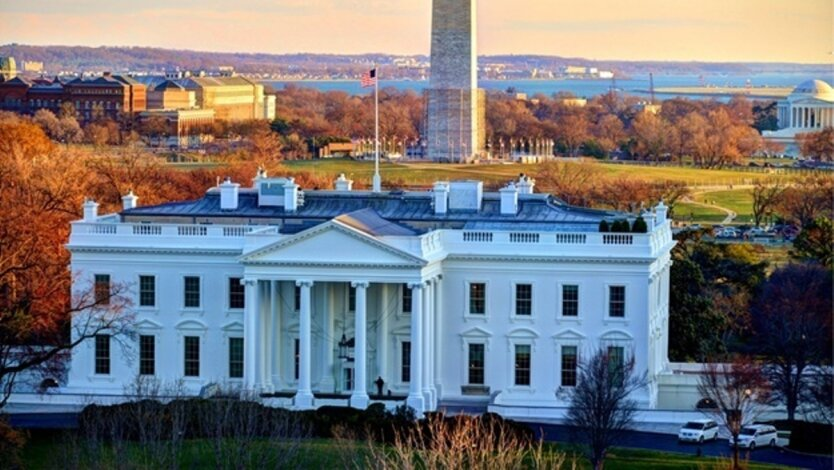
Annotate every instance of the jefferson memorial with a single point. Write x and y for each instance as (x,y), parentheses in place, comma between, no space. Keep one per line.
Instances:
(809,108)
(345,297)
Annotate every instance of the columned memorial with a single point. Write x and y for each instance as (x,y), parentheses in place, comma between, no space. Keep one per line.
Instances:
(809,108)
(455,128)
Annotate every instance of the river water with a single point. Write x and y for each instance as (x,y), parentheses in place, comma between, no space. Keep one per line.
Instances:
(635,85)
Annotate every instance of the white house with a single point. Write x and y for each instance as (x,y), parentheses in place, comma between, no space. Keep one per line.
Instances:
(454,295)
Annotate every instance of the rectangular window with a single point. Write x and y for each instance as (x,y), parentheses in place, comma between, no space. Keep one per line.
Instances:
(102,289)
(192,356)
(192,292)
(569,363)
(406,299)
(297,298)
(147,291)
(476,364)
(103,354)
(616,362)
(524,299)
(348,378)
(296,358)
(477,298)
(237,293)
(405,367)
(570,301)
(522,364)
(236,358)
(147,355)
(351,299)
(616,301)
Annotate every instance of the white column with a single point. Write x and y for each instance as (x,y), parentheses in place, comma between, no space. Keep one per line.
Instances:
(415,392)
(250,333)
(359,397)
(383,303)
(277,343)
(428,334)
(438,341)
(304,395)
(268,337)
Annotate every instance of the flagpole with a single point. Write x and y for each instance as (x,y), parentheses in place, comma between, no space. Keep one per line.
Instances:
(377,182)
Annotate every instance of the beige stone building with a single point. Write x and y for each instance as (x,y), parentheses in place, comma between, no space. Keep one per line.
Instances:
(171,95)
(232,98)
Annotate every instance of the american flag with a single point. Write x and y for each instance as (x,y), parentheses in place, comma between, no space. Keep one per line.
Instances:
(369,78)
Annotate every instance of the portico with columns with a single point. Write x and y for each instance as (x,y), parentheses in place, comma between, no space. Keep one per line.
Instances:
(809,108)
(353,293)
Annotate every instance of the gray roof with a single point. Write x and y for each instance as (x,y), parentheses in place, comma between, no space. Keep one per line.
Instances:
(404,211)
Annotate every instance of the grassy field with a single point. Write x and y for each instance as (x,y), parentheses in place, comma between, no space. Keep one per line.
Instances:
(426,173)
(739,201)
(47,452)
(698,214)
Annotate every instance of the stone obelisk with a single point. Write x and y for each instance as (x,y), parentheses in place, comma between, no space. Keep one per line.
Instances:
(455,106)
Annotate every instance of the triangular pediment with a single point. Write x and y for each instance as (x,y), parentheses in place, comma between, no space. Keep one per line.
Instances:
(476,332)
(569,335)
(146,324)
(332,244)
(234,326)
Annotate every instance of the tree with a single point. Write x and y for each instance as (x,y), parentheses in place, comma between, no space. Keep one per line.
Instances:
(49,122)
(572,131)
(792,328)
(811,198)
(739,391)
(652,134)
(569,181)
(818,145)
(710,289)
(765,199)
(814,243)
(609,132)
(601,407)
(264,145)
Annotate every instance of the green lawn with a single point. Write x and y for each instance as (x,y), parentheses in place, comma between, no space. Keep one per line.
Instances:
(425,173)
(45,452)
(739,201)
(698,214)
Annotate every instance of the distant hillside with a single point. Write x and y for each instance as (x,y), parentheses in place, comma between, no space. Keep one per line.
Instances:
(120,59)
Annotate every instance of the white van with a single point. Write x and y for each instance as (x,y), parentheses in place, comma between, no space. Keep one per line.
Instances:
(699,430)
(756,435)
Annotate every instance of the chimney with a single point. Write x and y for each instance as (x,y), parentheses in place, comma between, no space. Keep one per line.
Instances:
(441,197)
(509,200)
(129,201)
(660,211)
(343,184)
(466,195)
(290,195)
(90,210)
(525,184)
(229,195)
(106,74)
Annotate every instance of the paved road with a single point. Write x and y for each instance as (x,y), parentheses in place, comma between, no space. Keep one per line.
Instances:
(719,448)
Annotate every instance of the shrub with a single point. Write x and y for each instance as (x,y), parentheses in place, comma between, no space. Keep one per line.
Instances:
(640,225)
(621,226)
(815,438)
(603,226)
(11,444)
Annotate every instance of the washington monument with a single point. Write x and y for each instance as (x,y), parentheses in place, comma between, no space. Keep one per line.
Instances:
(456,116)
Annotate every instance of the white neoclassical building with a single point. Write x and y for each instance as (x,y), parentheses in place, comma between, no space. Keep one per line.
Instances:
(453,295)
(809,108)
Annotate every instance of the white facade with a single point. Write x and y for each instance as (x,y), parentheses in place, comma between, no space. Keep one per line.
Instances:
(809,108)
(256,287)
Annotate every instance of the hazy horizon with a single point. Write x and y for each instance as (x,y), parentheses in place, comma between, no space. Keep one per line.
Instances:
(642,30)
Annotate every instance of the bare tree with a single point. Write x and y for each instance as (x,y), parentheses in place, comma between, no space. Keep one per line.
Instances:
(93,313)
(738,390)
(765,198)
(792,325)
(601,406)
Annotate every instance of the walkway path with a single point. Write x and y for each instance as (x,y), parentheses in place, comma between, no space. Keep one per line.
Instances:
(730,214)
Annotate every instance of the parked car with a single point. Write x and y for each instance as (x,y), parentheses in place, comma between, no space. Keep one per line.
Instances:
(727,232)
(756,435)
(698,431)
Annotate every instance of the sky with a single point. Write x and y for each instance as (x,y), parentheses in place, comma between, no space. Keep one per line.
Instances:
(688,30)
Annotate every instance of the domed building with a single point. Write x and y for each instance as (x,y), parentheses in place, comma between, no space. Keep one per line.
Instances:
(809,108)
